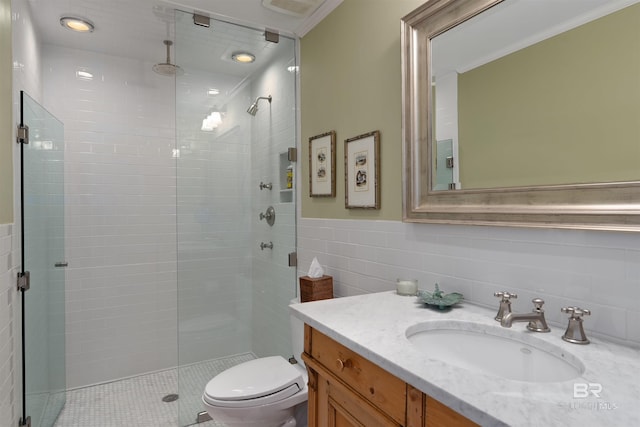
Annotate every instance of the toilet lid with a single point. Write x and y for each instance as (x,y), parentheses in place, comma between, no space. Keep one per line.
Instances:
(259,381)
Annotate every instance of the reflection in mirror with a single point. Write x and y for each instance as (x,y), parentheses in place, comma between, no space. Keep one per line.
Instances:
(528,109)
(533,93)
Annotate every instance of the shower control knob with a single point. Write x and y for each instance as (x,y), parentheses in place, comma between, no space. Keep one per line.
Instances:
(264,245)
(269,215)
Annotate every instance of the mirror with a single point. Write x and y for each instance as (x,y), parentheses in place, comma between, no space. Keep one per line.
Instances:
(524,113)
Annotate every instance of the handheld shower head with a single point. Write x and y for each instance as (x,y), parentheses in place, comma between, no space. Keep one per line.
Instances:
(253,109)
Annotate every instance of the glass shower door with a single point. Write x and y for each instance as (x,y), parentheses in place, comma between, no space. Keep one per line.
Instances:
(43,309)
(234,281)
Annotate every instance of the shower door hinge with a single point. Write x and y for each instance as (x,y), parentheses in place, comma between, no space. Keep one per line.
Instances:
(23,134)
(203,417)
(271,36)
(201,20)
(25,423)
(450,162)
(292,154)
(24,283)
(293,259)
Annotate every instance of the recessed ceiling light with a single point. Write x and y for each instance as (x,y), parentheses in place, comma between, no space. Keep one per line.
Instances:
(243,57)
(213,92)
(79,25)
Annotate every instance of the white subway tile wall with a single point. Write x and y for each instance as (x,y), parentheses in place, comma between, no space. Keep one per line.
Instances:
(121,219)
(120,213)
(273,132)
(9,378)
(599,271)
(214,236)
(27,76)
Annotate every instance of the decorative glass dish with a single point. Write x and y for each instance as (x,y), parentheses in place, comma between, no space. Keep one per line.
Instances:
(439,299)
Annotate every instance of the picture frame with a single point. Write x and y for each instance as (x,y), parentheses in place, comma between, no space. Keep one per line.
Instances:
(362,171)
(322,165)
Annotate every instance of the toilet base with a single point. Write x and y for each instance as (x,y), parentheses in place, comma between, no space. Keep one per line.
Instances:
(258,417)
(302,413)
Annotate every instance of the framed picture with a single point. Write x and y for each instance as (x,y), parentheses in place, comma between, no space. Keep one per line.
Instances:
(362,171)
(322,165)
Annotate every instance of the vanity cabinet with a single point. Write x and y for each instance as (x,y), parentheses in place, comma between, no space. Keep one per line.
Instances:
(346,389)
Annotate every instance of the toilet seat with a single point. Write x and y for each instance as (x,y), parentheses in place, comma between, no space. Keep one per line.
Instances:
(254,383)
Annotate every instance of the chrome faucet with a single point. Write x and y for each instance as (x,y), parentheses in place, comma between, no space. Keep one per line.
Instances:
(575,332)
(537,322)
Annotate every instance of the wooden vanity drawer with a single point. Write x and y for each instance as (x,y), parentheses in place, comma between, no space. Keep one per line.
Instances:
(381,388)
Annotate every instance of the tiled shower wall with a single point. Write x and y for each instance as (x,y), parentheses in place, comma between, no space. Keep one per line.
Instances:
(120,213)
(27,76)
(122,302)
(595,270)
(214,214)
(273,132)
(9,330)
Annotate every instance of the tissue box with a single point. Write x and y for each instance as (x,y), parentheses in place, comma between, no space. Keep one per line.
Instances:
(316,288)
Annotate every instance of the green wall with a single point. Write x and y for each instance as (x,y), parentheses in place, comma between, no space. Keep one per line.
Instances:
(6,127)
(567,106)
(350,76)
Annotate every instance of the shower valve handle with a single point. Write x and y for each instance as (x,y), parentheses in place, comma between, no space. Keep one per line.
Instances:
(269,215)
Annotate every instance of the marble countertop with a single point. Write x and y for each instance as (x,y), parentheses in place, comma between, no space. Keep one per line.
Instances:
(374,325)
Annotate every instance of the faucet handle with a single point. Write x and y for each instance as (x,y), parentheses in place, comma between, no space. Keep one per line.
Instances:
(576,312)
(506,296)
(505,304)
(575,332)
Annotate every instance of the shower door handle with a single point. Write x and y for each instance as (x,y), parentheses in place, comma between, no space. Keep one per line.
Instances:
(61,264)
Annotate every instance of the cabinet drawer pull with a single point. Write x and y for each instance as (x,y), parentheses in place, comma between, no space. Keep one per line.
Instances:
(341,364)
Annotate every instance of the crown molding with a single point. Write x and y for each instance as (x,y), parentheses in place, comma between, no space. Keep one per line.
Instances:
(314,19)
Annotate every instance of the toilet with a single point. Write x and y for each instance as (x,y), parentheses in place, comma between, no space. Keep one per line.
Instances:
(264,392)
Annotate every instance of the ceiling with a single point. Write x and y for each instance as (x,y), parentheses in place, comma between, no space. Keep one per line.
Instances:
(136,28)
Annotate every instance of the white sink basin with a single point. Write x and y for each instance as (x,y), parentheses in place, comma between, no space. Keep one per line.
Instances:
(497,351)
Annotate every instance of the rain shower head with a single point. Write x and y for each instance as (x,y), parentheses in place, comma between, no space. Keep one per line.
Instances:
(167,68)
(253,109)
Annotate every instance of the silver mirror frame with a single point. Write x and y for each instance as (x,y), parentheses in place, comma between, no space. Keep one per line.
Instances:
(598,206)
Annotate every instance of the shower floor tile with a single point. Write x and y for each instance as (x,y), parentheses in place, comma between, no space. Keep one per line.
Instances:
(138,401)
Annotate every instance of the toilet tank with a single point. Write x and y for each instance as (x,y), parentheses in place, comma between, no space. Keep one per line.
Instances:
(297,334)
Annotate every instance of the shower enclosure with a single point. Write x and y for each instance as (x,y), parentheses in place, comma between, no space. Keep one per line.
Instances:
(164,265)
(234,280)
